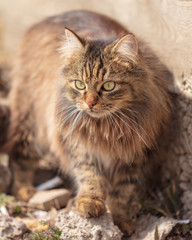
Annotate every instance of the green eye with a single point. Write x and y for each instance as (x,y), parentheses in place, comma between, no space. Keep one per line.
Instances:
(79,85)
(109,86)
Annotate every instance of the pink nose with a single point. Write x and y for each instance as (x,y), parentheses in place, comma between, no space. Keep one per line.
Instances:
(91,104)
(91,101)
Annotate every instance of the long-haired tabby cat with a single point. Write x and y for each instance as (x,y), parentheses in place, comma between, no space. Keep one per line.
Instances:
(86,91)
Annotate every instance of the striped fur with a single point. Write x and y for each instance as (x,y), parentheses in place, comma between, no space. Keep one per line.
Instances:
(104,148)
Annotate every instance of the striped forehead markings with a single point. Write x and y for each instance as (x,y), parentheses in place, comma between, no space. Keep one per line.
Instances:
(93,69)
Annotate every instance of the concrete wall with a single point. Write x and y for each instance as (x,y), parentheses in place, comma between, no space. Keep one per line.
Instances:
(165,24)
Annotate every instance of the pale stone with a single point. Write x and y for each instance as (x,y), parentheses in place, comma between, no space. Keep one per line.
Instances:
(53,198)
(146,225)
(75,227)
(10,227)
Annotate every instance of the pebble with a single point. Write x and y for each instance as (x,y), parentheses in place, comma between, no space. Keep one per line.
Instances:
(10,227)
(46,200)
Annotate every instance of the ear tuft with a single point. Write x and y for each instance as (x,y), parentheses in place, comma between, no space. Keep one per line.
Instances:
(72,44)
(127,48)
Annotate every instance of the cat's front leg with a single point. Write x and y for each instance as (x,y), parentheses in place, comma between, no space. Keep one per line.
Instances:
(122,197)
(91,182)
(90,206)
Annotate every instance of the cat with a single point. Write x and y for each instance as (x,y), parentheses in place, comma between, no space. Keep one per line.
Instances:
(85,90)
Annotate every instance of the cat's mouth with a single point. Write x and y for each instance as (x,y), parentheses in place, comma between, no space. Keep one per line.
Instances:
(96,113)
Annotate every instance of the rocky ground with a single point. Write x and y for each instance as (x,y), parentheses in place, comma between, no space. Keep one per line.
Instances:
(50,215)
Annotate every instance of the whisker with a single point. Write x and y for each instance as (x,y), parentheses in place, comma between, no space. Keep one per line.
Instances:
(136,123)
(135,113)
(66,118)
(125,139)
(74,122)
(115,113)
(132,128)
(62,110)
(116,125)
(65,108)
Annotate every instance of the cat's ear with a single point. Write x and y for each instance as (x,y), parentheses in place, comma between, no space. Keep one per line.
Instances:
(72,44)
(126,48)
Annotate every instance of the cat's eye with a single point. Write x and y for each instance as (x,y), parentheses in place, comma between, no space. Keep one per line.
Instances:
(109,86)
(79,85)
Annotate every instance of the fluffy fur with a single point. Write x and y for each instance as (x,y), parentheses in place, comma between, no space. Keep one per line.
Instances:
(101,137)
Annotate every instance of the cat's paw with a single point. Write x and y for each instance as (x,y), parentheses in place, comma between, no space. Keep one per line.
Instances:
(126,226)
(90,206)
(24,193)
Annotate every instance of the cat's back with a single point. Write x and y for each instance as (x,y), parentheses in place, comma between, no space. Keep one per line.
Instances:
(86,24)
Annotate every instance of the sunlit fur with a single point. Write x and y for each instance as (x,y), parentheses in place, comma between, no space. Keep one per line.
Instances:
(102,147)
(129,117)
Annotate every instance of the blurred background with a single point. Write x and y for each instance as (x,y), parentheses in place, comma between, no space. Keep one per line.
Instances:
(165,25)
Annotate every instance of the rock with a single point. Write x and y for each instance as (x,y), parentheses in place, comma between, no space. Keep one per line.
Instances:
(5,178)
(146,225)
(35,225)
(10,227)
(75,227)
(53,198)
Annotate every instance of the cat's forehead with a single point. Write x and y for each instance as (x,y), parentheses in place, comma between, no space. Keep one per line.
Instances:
(94,69)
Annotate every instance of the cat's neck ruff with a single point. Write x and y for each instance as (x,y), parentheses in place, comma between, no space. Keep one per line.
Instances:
(107,138)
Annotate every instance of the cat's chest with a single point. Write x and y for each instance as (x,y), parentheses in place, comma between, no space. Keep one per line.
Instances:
(106,143)
(107,148)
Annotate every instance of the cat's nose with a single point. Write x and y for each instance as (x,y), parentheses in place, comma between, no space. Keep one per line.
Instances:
(91,104)
(91,101)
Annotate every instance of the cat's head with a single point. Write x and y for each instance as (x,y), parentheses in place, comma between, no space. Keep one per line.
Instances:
(100,77)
